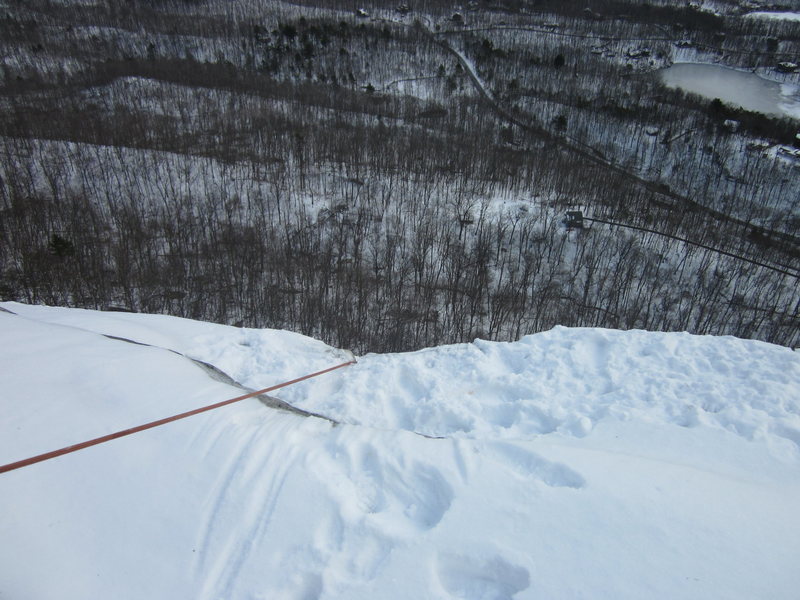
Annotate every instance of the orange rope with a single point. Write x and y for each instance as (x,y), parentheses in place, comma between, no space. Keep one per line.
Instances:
(112,436)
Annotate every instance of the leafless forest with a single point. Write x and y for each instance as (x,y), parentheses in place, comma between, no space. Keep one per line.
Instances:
(387,177)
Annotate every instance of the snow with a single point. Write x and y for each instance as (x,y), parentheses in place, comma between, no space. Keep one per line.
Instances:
(241,353)
(783,16)
(574,463)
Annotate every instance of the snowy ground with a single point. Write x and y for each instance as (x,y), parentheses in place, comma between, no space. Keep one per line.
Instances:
(576,463)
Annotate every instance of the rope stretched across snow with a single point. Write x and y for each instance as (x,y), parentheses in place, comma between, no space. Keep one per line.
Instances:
(112,436)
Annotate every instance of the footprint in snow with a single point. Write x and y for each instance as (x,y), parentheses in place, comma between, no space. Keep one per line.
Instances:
(471,578)
(419,493)
(381,487)
(529,464)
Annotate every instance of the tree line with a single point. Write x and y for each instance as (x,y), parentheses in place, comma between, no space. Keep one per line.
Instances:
(307,168)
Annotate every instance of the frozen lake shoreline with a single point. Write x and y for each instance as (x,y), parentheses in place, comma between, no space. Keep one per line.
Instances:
(748,90)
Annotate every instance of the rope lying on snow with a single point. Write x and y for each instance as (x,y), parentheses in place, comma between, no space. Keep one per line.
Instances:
(112,436)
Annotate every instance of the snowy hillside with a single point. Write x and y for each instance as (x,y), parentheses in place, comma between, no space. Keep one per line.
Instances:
(575,463)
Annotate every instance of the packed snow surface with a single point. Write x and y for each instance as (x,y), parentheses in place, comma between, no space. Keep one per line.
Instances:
(574,463)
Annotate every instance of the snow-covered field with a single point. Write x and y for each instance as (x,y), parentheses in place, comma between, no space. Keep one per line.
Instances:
(575,463)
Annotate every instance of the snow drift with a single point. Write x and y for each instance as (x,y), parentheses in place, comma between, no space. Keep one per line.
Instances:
(575,463)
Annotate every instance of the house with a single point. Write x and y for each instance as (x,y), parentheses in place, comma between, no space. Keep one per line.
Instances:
(574,219)
(638,53)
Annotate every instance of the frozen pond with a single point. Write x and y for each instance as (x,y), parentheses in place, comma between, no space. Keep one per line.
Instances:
(782,16)
(741,88)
